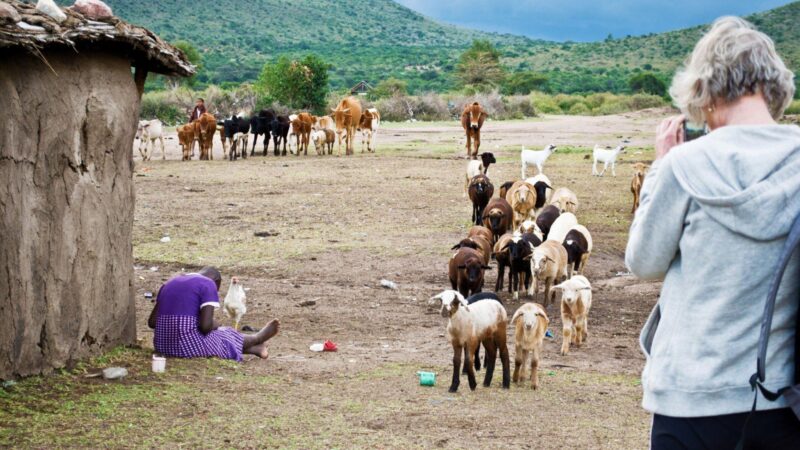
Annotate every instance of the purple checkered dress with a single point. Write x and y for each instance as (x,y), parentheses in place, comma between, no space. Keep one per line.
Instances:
(177,333)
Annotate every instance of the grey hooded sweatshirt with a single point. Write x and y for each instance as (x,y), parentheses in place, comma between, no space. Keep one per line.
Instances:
(713,218)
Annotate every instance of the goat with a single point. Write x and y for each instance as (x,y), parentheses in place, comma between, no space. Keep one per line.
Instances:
(480,193)
(535,158)
(548,265)
(503,257)
(480,230)
(466,269)
(505,187)
(475,167)
(483,322)
(565,199)
(478,243)
(585,256)
(497,216)
(576,300)
(519,255)
(606,156)
(547,216)
(529,226)
(522,198)
(576,246)
(639,172)
(530,325)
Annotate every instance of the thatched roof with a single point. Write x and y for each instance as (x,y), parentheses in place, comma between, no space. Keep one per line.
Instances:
(37,31)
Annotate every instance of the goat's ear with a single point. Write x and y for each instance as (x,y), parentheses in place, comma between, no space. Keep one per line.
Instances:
(548,186)
(462,266)
(516,316)
(528,258)
(558,287)
(487,267)
(456,246)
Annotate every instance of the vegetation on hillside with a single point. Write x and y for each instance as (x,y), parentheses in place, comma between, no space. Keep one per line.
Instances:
(374,40)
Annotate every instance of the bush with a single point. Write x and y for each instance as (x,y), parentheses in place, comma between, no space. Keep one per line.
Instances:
(793,108)
(395,109)
(157,105)
(545,104)
(519,106)
(430,106)
(579,109)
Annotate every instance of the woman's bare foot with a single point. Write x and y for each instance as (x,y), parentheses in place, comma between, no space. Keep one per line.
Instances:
(269,331)
(264,354)
(260,350)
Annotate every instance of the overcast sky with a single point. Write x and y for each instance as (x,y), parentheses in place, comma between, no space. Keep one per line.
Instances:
(583,20)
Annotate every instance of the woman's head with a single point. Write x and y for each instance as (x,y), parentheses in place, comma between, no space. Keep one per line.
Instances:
(732,60)
(213,274)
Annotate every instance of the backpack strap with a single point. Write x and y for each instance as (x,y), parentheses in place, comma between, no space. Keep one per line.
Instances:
(757,379)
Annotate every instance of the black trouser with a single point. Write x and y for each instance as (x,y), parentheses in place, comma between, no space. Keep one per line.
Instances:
(775,429)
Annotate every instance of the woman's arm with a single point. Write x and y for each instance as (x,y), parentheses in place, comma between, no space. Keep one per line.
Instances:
(151,321)
(207,323)
(656,230)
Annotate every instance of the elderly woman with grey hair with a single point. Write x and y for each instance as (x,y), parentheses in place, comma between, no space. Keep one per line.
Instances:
(714,216)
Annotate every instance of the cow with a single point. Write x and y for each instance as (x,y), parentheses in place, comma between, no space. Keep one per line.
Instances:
(472,120)
(148,132)
(186,139)
(237,130)
(280,132)
(302,130)
(370,122)
(261,124)
(204,130)
(347,116)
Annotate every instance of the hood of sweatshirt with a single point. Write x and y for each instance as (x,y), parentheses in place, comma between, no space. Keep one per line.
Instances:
(747,178)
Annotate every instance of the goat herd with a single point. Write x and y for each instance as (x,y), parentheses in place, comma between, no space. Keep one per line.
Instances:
(296,130)
(532,230)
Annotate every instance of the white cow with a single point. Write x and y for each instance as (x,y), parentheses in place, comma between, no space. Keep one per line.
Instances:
(292,138)
(147,132)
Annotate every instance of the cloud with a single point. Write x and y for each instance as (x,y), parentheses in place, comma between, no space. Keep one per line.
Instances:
(584,20)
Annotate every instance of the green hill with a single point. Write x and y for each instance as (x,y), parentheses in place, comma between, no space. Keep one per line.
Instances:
(376,39)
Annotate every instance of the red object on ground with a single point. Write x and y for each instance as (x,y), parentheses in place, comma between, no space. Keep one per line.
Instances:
(329,346)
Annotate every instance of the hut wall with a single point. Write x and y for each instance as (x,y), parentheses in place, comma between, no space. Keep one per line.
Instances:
(66,208)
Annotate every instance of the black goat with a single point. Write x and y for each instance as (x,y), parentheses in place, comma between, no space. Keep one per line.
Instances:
(480,192)
(546,217)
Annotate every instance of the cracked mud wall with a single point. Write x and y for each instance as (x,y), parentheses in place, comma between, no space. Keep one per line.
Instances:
(66,208)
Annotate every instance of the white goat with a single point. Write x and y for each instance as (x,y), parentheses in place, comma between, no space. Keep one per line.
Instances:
(530,324)
(147,132)
(529,226)
(484,321)
(535,158)
(576,300)
(565,199)
(606,156)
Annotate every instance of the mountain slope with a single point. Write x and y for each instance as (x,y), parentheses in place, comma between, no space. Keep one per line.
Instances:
(376,39)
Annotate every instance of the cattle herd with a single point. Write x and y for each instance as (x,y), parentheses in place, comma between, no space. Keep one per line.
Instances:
(295,131)
(530,229)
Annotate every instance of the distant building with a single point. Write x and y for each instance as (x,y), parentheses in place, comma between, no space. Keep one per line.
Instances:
(361,88)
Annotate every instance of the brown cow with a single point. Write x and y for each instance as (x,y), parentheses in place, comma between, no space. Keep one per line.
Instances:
(472,120)
(204,130)
(347,116)
(186,139)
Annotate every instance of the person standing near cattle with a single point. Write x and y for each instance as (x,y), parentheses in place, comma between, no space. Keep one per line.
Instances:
(712,221)
(199,110)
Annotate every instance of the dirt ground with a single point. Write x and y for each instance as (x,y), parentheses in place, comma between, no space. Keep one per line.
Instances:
(335,227)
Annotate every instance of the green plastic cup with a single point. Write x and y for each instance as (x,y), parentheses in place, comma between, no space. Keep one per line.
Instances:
(426,378)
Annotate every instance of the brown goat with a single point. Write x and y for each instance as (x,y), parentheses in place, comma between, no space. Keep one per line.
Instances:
(465,270)
(498,216)
(480,192)
(504,188)
(480,230)
(639,172)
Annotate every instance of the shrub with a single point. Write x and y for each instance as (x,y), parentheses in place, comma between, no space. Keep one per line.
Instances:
(520,106)
(793,108)
(395,109)
(545,104)
(157,105)
(579,109)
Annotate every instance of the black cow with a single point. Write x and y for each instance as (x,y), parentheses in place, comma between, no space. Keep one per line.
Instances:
(261,124)
(280,130)
(236,129)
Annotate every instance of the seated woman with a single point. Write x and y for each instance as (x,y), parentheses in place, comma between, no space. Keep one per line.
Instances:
(183,320)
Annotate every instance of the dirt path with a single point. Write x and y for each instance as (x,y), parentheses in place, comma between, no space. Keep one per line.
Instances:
(337,227)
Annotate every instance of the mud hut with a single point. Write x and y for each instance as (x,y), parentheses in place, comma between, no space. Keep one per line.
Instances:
(70,93)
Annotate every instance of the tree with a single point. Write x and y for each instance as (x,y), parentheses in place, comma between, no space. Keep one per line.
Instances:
(194,57)
(479,66)
(648,83)
(297,84)
(523,83)
(390,87)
